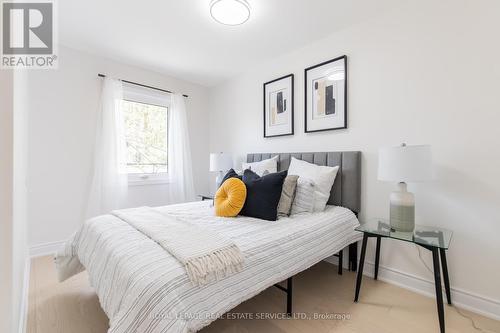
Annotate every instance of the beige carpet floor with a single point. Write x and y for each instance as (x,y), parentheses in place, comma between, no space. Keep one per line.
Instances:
(73,307)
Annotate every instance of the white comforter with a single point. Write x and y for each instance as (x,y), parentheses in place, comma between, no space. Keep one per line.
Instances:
(142,288)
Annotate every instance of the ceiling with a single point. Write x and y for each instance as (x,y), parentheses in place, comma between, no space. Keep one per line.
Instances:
(179,38)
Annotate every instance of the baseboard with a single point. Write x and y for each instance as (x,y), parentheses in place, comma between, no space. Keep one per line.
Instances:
(463,299)
(45,249)
(23,313)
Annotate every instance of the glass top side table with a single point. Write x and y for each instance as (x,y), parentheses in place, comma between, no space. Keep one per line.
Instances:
(434,239)
(422,235)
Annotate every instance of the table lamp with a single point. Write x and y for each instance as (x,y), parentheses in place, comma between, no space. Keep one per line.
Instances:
(220,162)
(404,164)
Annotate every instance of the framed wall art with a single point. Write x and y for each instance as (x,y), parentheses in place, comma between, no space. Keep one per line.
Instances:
(326,95)
(278,107)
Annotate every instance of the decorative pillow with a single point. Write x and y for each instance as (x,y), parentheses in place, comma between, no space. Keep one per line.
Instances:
(304,196)
(287,195)
(320,200)
(271,165)
(322,176)
(230,197)
(263,194)
(230,174)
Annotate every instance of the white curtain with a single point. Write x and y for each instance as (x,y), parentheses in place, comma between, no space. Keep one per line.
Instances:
(180,171)
(110,180)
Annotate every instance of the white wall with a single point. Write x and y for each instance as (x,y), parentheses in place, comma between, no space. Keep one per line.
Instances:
(20,197)
(427,72)
(63,105)
(6,186)
(13,199)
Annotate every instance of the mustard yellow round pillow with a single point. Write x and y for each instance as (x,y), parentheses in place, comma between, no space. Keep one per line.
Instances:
(230,197)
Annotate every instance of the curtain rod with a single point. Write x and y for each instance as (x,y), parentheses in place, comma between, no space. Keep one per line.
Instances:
(142,85)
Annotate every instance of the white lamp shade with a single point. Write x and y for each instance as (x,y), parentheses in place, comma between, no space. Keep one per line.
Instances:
(405,163)
(221,161)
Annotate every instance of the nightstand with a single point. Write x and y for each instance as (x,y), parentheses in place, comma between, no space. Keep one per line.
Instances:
(433,239)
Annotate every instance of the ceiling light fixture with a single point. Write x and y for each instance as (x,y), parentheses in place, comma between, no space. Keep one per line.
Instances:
(230,12)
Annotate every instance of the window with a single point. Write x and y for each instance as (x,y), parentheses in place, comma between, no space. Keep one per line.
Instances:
(146,137)
(145,114)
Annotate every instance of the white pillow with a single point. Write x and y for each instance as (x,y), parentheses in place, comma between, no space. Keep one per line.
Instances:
(304,197)
(320,200)
(322,176)
(271,165)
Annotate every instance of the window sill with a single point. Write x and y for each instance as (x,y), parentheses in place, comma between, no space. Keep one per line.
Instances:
(148,182)
(137,180)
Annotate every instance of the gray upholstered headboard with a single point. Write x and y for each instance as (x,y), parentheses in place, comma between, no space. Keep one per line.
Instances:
(346,190)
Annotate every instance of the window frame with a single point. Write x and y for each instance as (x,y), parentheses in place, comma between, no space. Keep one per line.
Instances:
(135,94)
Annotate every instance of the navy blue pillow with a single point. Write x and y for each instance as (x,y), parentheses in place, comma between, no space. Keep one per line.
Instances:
(230,174)
(263,194)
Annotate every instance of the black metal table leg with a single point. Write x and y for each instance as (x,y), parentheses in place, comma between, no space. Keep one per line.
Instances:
(341,261)
(361,264)
(289,297)
(444,265)
(353,256)
(377,257)
(439,293)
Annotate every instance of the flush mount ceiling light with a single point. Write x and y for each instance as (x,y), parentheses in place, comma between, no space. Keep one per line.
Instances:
(230,12)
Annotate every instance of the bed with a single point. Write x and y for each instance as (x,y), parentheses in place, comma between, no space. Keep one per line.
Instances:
(142,288)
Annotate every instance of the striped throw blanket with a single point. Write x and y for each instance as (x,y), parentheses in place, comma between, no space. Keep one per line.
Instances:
(206,255)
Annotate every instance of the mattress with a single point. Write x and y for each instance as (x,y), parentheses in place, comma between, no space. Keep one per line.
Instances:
(142,288)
